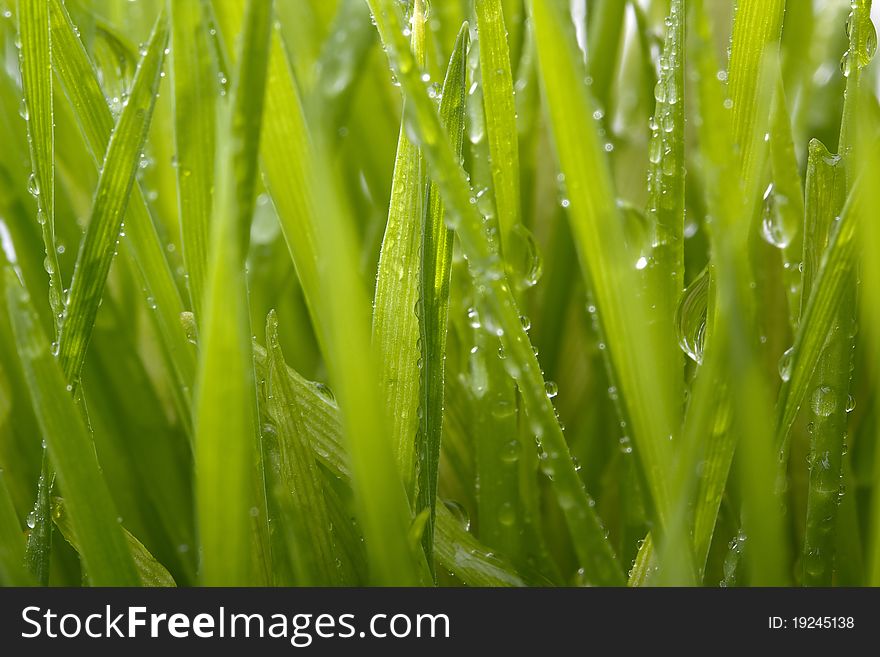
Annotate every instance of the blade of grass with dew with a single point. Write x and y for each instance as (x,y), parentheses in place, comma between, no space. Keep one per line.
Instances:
(605,260)
(79,79)
(829,401)
(12,542)
(150,571)
(195,91)
(500,115)
(338,305)
(111,198)
(474,565)
(303,505)
(35,57)
(732,187)
(757,29)
(497,303)
(225,428)
(396,308)
(787,202)
(664,275)
(495,169)
(105,556)
(435,270)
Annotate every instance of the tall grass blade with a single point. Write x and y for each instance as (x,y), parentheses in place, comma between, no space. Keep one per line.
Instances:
(111,198)
(12,542)
(397,303)
(195,91)
(435,270)
(226,433)
(105,556)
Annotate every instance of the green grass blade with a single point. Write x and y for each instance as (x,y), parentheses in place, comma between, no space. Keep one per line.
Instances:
(36,58)
(436,268)
(606,28)
(666,202)
(79,79)
(500,114)
(12,543)
(757,29)
(39,543)
(224,422)
(111,198)
(499,310)
(302,496)
(104,553)
(149,570)
(395,311)
(601,244)
(195,91)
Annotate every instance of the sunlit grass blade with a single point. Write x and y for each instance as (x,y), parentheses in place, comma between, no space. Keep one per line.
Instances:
(435,271)
(111,198)
(195,91)
(302,496)
(226,432)
(757,28)
(499,310)
(297,177)
(105,556)
(395,305)
(604,36)
(79,79)
(150,571)
(500,114)
(606,261)
(36,58)
(666,200)
(12,542)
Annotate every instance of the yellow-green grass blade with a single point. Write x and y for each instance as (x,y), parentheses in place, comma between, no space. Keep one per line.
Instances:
(456,550)
(608,264)
(604,41)
(499,309)
(195,91)
(149,570)
(12,542)
(301,500)
(829,400)
(321,243)
(35,57)
(757,28)
(111,198)
(225,426)
(79,79)
(396,304)
(664,271)
(105,556)
(500,114)
(435,271)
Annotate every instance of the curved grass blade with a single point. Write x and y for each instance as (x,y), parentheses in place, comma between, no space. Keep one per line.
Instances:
(111,198)
(302,503)
(396,302)
(12,543)
(79,79)
(500,114)
(225,427)
(436,267)
(105,555)
(195,92)
(149,570)
(297,177)
(497,304)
